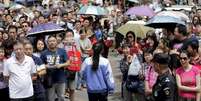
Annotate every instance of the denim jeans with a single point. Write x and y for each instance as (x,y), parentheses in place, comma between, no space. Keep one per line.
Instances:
(79,81)
(57,90)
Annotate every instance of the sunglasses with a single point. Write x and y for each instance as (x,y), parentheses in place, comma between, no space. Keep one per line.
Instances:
(183,58)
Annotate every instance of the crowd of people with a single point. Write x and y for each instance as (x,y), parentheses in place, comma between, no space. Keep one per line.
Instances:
(164,65)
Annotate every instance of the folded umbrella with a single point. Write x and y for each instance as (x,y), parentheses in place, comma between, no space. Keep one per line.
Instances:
(45,29)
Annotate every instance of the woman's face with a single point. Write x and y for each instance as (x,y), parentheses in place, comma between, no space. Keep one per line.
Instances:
(1,35)
(126,51)
(86,23)
(130,37)
(190,49)
(195,20)
(161,44)
(2,54)
(148,57)
(150,42)
(40,45)
(184,59)
(5,36)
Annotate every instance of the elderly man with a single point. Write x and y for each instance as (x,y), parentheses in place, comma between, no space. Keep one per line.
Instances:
(19,69)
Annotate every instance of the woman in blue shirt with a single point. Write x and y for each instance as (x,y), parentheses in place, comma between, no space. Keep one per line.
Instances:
(97,72)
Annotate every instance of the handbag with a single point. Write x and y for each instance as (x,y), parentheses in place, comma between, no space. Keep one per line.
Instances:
(134,84)
(135,66)
(108,43)
(74,58)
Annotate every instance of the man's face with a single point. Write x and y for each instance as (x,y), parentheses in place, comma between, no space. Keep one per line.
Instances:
(199,13)
(156,67)
(177,34)
(19,50)
(52,42)
(28,49)
(9,19)
(65,17)
(78,25)
(70,16)
(25,27)
(22,20)
(41,20)
(54,18)
(12,33)
(190,50)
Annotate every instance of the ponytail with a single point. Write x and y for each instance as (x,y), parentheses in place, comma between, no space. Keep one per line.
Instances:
(97,49)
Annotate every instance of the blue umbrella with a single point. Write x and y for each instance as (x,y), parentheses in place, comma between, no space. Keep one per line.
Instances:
(164,22)
(45,29)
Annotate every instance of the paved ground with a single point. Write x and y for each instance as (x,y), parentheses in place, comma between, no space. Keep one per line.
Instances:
(82,95)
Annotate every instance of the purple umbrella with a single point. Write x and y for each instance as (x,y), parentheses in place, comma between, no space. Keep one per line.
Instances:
(141,11)
(45,29)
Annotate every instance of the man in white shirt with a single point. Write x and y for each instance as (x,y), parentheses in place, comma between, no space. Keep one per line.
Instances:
(19,70)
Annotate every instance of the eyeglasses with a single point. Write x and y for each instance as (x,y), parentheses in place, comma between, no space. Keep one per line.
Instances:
(183,58)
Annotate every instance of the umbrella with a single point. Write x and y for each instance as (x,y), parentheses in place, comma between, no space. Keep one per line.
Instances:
(45,29)
(92,10)
(135,1)
(16,6)
(175,14)
(164,22)
(140,11)
(139,29)
(2,5)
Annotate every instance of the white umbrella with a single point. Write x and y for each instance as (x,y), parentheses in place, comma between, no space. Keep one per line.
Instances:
(141,22)
(92,10)
(135,1)
(16,6)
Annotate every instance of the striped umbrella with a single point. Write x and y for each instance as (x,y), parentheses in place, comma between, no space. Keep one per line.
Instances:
(92,10)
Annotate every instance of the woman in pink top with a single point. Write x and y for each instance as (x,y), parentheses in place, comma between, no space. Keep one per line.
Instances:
(188,80)
(150,74)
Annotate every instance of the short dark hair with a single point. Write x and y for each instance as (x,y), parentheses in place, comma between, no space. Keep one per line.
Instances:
(18,42)
(161,58)
(69,30)
(132,33)
(182,29)
(12,27)
(2,48)
(51,36)
(194,45)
